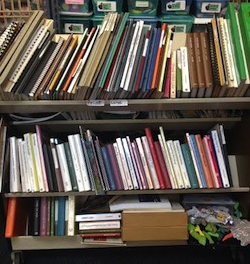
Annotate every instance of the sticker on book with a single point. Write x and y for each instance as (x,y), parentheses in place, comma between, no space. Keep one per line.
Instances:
(142,4)
(103,6)
(176,6)
(210,7)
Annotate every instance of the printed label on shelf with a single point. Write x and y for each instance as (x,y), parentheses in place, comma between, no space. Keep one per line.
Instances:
(95,103)
(119,103)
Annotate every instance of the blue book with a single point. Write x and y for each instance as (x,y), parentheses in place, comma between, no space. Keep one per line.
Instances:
(153,59)
(198,161)
(145,72)
(61,216)
(108,167)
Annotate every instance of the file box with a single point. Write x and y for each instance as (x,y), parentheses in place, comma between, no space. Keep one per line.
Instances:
(175,6)
(206,9)
(178,23)
(74,7)
(142,8)
(102,7)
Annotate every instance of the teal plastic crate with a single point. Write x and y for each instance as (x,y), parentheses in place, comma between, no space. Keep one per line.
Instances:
(74,7)
(148,20)
(102,7)
(75,24)
(143,8)
(207,9)
(178,23)
(175,6)
(97,20)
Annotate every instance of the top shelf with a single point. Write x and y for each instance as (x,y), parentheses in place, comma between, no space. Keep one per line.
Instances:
(124,105)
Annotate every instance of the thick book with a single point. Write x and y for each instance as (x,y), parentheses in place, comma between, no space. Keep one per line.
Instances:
(140,201)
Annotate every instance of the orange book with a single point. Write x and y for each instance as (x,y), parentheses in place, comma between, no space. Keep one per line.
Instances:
(158,57)
(16,218)
(204,161)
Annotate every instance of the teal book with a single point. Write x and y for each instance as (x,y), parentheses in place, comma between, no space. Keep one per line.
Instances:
(70,166)
(189,165)
(61,216)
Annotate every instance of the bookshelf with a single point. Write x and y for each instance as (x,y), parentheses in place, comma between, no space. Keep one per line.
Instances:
(237,130)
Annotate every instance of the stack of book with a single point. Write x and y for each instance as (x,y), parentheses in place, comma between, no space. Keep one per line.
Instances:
(99,227)
(125,58)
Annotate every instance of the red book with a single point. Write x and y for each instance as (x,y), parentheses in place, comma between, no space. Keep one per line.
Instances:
(16,218)
(204,161)
(162,164)
(167,79)
(212,161)
(99,234)
(155,157)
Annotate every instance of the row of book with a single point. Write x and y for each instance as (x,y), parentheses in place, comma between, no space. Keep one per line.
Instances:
(81,162)
(123,58)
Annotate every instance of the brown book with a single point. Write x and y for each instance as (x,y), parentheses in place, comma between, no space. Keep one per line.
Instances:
(192,65)
(205,52)
(199,64)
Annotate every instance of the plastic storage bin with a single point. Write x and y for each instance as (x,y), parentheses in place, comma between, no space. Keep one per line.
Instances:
(178,23)
(142,8)
(102,7)
(75,24)
(147,20)
(175,6)
(203,9)
(97,20)
(74,7)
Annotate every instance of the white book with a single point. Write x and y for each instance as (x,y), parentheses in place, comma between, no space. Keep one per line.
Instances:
(22,164)
(139,202)
(182,164)
(28,168)
(82,161)
(64,167)
(71,215)
(38,158)
(150,162)
(119,161)
(124,163)
(168,161)
(173,157)
(98,217)
(15,180)
(115,224)
(130,163)
(31,163)
(220,158)
(144,162)
(185,70)
(76,163)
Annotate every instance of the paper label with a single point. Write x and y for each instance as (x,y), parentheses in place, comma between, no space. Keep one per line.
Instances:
(73,28)
(95,103)
(119,103)
(176,6)
(141,4)
(74,2)
(210,7)
(104,6)
(178,28)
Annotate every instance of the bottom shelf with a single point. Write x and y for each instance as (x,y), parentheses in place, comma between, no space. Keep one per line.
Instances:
(75,242)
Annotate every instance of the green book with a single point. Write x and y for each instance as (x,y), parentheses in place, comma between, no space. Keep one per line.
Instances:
(244,20)
(235,39)
(189,165)
(70,166)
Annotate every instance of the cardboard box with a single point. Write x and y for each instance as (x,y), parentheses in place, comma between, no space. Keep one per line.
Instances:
(154,233)
(153,219)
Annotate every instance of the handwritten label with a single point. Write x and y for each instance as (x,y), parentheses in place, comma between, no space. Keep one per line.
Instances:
(95,103)
(119,103)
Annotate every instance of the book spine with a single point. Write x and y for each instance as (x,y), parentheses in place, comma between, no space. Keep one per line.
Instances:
(61,216)
(97,217)
(71,215)
(99,225)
